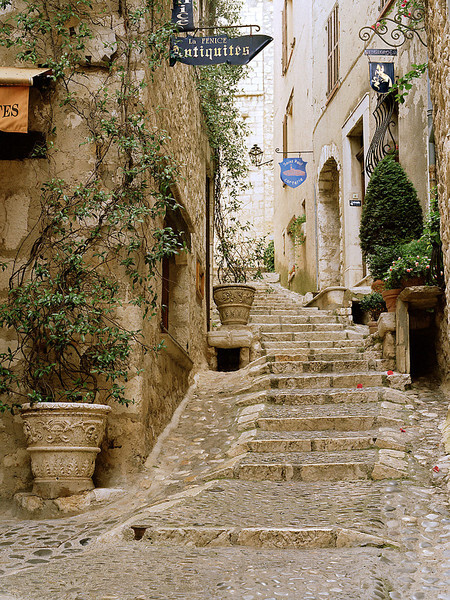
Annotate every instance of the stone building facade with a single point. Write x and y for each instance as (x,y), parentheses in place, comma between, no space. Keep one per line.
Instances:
(170,95)
(255,102)
(324,110)
(438,32)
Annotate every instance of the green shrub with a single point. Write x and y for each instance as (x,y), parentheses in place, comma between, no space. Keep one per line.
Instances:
(374,304)
(380,261)
(391,214)
(269,257)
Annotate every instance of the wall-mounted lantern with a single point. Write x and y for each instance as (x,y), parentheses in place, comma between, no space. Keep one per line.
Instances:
(256,155)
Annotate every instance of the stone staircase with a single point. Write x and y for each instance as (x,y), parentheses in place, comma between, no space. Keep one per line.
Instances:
(319,407)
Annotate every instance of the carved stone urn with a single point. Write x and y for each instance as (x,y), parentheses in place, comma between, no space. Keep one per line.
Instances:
(63,441)
(234,301)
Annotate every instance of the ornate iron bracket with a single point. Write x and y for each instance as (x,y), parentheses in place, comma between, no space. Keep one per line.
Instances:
(380,146)
(396,30)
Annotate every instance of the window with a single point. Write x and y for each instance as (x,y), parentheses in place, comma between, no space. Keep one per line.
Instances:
(287,35)
(287,124)
(333,50)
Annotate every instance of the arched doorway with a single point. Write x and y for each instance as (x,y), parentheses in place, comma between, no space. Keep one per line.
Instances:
(329,226)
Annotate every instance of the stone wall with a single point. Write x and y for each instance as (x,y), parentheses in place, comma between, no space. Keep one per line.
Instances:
(255,102)
(172,100)
(438,30)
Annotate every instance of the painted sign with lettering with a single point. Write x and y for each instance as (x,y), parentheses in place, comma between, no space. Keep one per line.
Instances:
(381,76)
(213,50)
(183,15)
(14,109)
(293,171)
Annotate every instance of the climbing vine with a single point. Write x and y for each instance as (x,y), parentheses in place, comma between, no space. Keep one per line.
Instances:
(100,240)
(238,253)
(295,230)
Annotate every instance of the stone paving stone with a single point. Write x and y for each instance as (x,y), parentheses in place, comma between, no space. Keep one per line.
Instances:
(165,572)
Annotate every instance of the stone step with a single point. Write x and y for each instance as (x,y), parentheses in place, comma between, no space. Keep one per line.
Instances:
(305,441)
(285,312)
(295,319)
(317,336)
(330,396)
(301,327)
(327,417)
(258,537)
(307,466)
(277,347)
(327,380)
(306,354)
(230,503)
(312,366)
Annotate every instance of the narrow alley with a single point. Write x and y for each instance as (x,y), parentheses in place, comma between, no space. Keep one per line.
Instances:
(307,475)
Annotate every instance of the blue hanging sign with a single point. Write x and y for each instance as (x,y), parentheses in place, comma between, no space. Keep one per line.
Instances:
(217,49)
(293,171)
(381,76)
(183,15)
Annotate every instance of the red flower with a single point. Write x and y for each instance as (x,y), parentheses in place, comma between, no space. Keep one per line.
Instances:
(359,386)
(390,372)
(436,469)
(402,430)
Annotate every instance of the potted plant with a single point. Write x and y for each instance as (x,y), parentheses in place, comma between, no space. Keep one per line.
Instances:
(391,216)
(373,304)
(239,258)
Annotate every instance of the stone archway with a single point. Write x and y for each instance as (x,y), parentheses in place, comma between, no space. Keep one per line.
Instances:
(329,226)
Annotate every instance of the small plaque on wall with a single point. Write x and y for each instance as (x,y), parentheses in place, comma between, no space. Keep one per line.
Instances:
(355,202)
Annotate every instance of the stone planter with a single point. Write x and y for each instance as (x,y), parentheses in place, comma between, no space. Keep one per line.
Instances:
(234,301)
(63,441)
(390,297)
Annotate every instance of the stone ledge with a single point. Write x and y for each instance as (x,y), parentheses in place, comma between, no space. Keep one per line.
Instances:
(230,338)
(176,352)
(30,505)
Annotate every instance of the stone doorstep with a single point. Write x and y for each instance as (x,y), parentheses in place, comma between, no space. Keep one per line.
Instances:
(260,537)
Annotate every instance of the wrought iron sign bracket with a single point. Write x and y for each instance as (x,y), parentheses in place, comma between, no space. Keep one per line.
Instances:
(278,151)
(214,27)
(396,30)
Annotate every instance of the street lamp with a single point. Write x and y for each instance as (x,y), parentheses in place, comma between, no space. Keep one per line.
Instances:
(256,155)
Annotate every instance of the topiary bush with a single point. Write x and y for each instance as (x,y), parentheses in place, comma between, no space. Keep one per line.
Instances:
(392,214)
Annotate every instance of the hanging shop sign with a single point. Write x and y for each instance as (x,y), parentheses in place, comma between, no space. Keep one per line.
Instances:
(183,15)
(14,109)
(214,50)
(380,52)
(381,76)
(293,171)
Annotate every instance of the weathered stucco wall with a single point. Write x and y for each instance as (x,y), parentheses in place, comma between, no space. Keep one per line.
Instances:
(172,100)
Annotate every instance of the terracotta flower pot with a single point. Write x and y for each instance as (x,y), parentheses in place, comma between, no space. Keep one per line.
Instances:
(63,441)
(390,298)
(234,301)
(377,285)
(412,281)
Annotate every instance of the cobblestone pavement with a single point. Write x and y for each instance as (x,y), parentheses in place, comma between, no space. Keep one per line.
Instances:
(57,560)
(210,537)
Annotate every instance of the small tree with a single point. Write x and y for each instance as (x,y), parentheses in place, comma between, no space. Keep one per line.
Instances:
(392,214)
